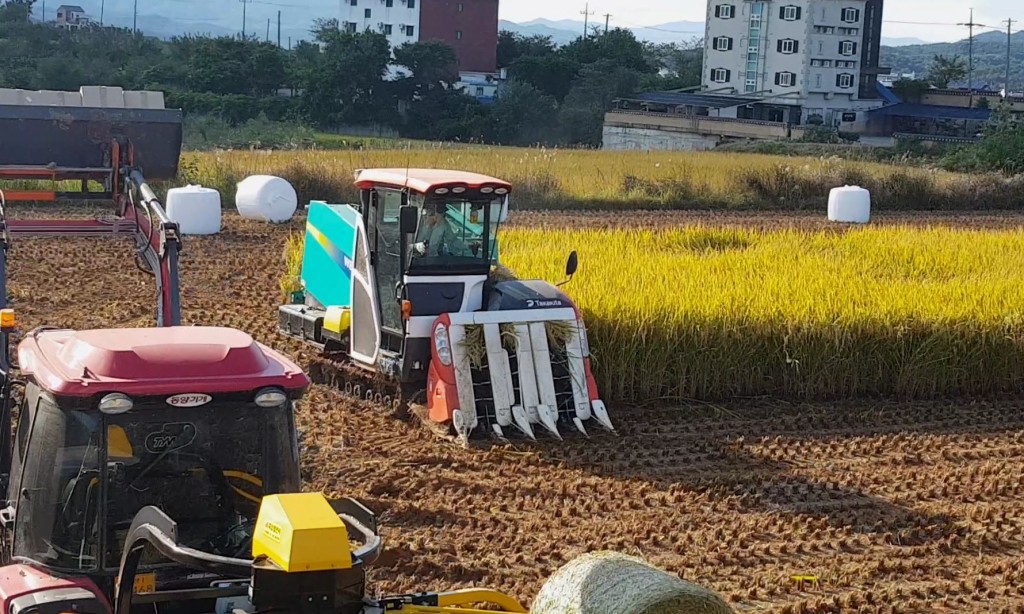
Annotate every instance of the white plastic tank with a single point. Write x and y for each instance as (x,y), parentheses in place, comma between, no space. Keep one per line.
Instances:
(849,204)
(196,209)
(266,198)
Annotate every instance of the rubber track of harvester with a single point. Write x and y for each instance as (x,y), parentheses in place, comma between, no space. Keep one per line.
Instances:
(359,384)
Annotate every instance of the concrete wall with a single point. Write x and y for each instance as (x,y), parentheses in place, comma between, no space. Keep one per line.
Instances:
(696,126)
(619,138)
(956,98)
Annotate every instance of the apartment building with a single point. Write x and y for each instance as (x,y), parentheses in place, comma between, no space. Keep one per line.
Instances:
(819,55)
(470,27)
(399,20)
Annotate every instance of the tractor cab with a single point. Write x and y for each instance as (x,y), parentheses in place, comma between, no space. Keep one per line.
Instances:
(194,421)
(452,218)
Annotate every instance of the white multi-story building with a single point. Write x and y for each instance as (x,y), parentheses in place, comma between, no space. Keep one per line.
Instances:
(818,56)
(399,20)
(470,27)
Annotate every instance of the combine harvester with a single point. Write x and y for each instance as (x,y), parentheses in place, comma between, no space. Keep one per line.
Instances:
(401,287)
(156,470)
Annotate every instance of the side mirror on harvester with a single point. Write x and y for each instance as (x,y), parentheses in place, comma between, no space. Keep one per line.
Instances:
(407,219)
(570,267)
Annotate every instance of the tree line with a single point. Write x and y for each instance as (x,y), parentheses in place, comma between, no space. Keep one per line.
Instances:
(554,95)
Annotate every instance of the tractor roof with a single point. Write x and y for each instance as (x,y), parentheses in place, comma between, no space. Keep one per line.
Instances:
(425,180)
(154,361)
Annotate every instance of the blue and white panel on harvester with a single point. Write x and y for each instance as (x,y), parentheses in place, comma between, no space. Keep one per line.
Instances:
(329,254)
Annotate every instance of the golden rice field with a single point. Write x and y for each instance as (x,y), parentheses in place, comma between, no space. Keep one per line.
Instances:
(713,313)
(713,309)
(576,179)
(705,312)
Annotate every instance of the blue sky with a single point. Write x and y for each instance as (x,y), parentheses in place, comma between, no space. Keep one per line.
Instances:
(933,13)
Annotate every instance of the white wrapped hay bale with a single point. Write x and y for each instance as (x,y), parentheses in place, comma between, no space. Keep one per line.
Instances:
(609,582)
(266,198)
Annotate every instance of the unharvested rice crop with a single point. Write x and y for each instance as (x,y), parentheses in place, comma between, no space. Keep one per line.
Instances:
(711,313)
(559,179)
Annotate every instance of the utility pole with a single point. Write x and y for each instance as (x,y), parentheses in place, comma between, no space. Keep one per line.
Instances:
(268,30)
(586,12)
(970,55)
(244,2)
(135,18)
(607,17)
(1009,45)
(44,11)
(103,4)
(279,29)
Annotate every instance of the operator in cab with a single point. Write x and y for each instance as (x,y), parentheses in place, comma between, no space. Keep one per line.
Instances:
(435,236)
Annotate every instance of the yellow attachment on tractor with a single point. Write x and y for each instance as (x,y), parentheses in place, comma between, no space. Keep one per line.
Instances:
(301,532)
(337,319)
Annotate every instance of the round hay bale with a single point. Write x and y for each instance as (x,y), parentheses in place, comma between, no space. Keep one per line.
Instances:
(609,582)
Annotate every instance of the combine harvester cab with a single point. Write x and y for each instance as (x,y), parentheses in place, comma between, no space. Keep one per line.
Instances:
(403,284)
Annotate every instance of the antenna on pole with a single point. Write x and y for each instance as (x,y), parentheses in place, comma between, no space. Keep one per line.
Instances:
(586,12)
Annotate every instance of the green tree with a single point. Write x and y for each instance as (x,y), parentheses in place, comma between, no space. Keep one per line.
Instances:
(944,69)
(619,47)
(523,115)
(345,76)
(551,74)
(16,11)
(512,46)
(582,114)
(431,64)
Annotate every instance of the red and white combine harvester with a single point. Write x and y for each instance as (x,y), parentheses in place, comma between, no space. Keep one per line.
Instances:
(400,285)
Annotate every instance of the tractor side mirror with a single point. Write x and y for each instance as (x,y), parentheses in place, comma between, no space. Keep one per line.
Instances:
(407,219)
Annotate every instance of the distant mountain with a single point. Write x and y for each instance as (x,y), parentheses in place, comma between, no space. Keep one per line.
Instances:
(167,18)
(565,31)
(989,58)
(902,41)
(559,36)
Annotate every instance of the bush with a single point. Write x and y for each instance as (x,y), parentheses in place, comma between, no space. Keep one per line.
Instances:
(204,132)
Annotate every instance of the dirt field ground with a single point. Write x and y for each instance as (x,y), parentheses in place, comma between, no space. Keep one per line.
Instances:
(893,508)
